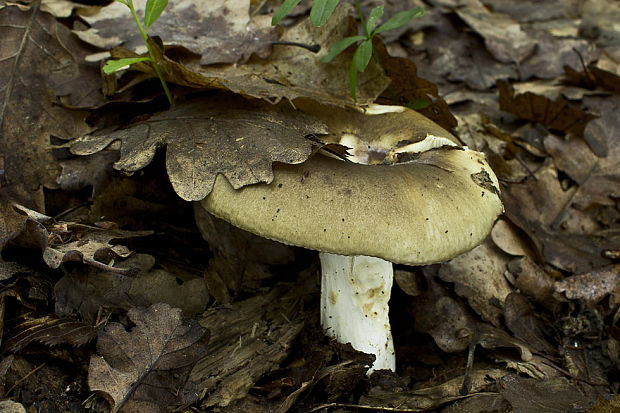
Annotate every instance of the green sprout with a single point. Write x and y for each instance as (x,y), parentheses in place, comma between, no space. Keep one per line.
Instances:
(152,11)
(320,12)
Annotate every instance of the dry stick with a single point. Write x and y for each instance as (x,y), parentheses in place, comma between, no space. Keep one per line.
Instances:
(24,378)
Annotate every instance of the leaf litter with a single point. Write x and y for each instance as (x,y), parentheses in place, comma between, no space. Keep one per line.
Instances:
(532,85)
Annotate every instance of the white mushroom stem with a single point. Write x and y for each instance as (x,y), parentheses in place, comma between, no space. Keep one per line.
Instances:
(354,305)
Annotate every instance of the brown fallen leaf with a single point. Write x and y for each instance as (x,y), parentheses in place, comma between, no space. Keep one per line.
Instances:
(237,138)
(557,114)
(221,31)
(51,331)
(33,48)
(158,352)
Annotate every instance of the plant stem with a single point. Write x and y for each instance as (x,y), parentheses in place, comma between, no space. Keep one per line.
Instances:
(145,36)
(359,11)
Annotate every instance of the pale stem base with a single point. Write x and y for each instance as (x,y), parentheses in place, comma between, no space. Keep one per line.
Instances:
(354,305)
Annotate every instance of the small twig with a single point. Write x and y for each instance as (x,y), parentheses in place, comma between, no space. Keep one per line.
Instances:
(23,378)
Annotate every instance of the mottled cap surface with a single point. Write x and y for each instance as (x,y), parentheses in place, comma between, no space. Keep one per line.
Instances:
(428,210)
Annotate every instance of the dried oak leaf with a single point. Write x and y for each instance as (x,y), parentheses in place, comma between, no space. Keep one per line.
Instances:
(146,369)
(555,114)
(231,136)
(221,31)
(49,330)
(34,47)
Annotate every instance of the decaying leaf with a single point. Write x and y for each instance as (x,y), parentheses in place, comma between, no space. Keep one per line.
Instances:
(50,331)
(33,48)
(231,136)
(220,31)
(74,242)
(157,353)
(592,286)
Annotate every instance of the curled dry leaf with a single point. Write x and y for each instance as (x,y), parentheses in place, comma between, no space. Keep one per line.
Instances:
(237,138)
(51,331)
(531,280)
(158,352)
(220,31)
(506,238)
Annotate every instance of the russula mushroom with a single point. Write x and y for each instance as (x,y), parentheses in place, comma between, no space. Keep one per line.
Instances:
(362,218)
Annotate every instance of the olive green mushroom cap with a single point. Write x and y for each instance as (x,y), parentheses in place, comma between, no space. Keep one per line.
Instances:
(420,212)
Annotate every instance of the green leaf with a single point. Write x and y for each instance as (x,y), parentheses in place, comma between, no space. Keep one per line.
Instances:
(400,19)
(114,65)
(340,46)
(153,10)
(353,79)
(123,2)
(362,55)
(284,9)
(375,15)
(321,10)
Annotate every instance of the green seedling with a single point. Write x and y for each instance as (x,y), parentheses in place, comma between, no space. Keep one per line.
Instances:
(152,11)
(320,12)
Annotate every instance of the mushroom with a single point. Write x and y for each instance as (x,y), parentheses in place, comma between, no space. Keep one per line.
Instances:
(362,218)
